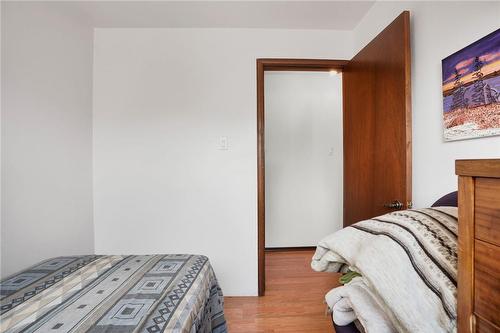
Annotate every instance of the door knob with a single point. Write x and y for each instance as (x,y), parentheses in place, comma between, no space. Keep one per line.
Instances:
(396,204)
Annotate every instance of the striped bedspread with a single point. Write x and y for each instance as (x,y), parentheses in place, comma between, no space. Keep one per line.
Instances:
(408,263)
(140,293)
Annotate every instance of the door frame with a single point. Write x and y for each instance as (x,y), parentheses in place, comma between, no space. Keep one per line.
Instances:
(276,64)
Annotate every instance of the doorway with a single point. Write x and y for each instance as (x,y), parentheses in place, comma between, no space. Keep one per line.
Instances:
(291,71)
(377,140)
(303,117)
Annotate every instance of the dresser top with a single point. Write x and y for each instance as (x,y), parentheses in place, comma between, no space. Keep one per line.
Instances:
(478,168)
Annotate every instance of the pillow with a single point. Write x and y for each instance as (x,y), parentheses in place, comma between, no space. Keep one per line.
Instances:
(450,199)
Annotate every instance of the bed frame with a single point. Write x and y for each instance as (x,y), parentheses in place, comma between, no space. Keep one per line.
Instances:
(478,245)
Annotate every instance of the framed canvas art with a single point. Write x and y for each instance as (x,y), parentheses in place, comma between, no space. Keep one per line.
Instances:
(471,90)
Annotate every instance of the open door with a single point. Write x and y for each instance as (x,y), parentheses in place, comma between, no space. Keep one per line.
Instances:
(377,125)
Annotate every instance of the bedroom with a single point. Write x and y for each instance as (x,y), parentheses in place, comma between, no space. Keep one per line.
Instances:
(83,172)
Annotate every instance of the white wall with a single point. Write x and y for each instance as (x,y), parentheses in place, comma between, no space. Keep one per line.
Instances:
(438,30)
(46,134)
(304,157)
(162,97)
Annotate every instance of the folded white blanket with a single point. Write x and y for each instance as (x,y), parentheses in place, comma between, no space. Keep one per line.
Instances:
(356,301)
(407,259)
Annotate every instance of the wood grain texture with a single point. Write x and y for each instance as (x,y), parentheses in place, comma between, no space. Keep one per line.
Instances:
(487,211)
(484,326)
(465,252)
(377,124)
(309,65)
(478,168)
(478,303)
(294,300)
(261,175)
(487,282)
(297,248)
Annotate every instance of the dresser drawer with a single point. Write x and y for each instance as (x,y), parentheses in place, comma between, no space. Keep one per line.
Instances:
(487,282)
(487,210)
(484,326)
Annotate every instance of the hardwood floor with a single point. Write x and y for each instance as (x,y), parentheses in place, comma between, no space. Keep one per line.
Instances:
(293,301)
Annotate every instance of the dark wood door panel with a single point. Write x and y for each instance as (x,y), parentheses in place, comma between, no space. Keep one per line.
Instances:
(377,124)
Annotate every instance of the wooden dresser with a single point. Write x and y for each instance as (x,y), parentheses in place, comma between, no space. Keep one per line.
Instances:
(479,245)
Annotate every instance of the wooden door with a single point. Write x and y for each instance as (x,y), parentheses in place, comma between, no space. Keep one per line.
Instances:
(377,124)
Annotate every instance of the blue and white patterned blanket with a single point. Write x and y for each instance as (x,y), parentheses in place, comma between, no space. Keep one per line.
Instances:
(143,293)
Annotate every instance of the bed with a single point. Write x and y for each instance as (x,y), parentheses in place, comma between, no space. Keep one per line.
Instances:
(407,265)
(448,200)
(114,293)
(419,270)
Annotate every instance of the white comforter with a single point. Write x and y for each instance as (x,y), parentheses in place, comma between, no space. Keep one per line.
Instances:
(355,301)
(407,260)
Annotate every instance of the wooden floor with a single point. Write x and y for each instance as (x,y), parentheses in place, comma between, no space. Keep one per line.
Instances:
(293,301)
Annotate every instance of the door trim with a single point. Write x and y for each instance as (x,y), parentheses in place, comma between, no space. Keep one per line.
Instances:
(271,64)
(409,134)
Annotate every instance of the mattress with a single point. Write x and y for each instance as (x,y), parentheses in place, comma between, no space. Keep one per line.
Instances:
(114,293)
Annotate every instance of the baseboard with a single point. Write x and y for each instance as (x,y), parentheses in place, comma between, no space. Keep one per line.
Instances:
(292,248)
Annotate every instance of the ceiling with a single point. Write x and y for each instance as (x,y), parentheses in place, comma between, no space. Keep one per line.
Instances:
(334,15)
